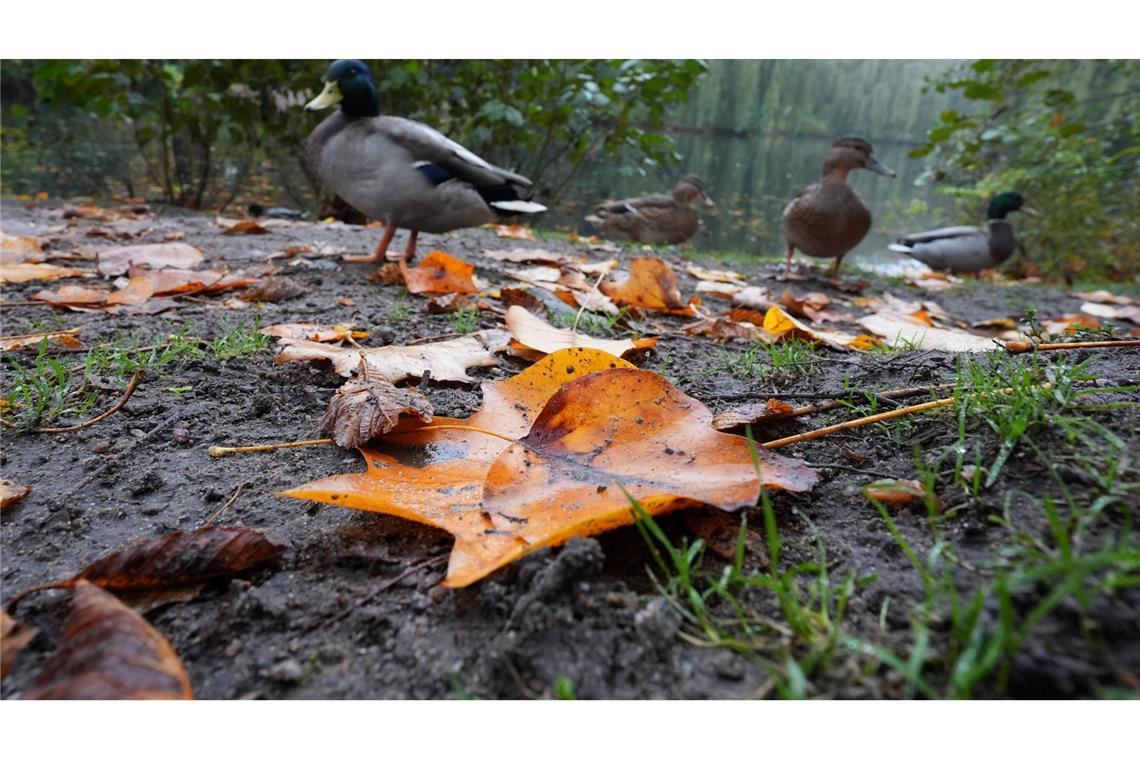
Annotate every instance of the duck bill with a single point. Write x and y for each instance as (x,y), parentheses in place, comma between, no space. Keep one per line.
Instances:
(1029,210)
(709,202)
(329,96)
(878,167)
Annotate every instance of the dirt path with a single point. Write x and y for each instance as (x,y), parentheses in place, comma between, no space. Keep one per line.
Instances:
(585,617)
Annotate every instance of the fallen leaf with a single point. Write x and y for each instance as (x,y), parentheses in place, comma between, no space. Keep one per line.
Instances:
(721,532)
(435,476)
(529,256)
(1001,323)
(521,297)
(515,231)
(753,297)
(139,289)
(896,493)
(173,281)
(361,410)
(25,272)
(718,289)
(613,433)
(716,275)
(1108,311)
(905,331)
(651,285)
(1068,324)
(725,328)
(109,651)
(100,214)
(72,295)
(450,303)
(538,334)
(811,306)
(65,338)
(246,227)
(387,274)
(1104,296)
(315,332)
(10,493)
(14,636)
(14,250)
(116,261)
(439,273)
(752,414)
(447,360)
(779,322)
(274,289)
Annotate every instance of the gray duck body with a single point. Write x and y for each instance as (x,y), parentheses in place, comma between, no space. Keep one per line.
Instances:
(962,250)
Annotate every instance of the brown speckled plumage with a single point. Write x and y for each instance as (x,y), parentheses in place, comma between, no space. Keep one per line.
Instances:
(653,219)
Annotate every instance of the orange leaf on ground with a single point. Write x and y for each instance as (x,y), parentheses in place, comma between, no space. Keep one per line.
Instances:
(109,651)
(72,295)
(116,261)
(436,476)
(780,323)
(539,335)
(439,273)
(651,285)
(515,231)
(14,250)
(896,493)
(752,414)
(715,275)
(725,328)
(811,306)
(246,227)
(1108,311)
(66,338)
(11,493)
(24,272)
(139,289)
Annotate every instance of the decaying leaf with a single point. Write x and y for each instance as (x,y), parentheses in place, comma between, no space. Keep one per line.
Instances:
(1067,324)
(721,532)
(1109,311)
(246,227)
(715,275)
(11,493)
(811,305)
(364,409)
(522,297)
(1105,296)
(116,261)
(603,425)
(138,290)
(779,322)
(901,330)
(14,636)
(25,272)
(449,303)
(272,290)
(109,651)
(538,334)
(651,285)
(447,360)
(725,328)
(95,213)
(314,332)
(72,295)
(896,493)
(439,273)
(15,249)
(529,256)
(752,414)
(515,231)
(65,338)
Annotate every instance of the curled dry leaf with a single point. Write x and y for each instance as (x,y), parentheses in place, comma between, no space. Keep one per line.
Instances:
(387,274)
(25,272)
(522,297)
(65,338)
(11,493)
(246,227)
(315,332)
(447,360)
(439,273)
(718,289)
(1068,324)
(651,285)
(901,330)
(14,636)
(109,651)
(715,275)
(896,493)
(361,410)
(116,261)
(753,297)
(538,334)
(725,328)
(272,290)
(812,305)
(450,303)
(779,322)
(603,426)
(752,414)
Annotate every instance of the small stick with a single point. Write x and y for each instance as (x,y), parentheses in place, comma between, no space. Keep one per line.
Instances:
(456,427)
(136,378)
(1023,346)
(225,451)
(224,507)
(858,423)
(586,300)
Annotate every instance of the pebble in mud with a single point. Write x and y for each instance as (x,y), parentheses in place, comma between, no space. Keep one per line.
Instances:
(288,671)
(149,482)
(658,623)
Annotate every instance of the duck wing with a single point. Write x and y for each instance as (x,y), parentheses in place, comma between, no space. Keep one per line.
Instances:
(959,249)
(636,205)
(442,158)
(943,233)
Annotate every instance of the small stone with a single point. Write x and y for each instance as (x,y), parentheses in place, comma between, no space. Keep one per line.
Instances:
(729,666)
(233,649)
(287,671)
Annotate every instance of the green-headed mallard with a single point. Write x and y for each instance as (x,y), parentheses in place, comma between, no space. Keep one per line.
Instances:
(828,219)
(968,249)
(654,218)
(400,171)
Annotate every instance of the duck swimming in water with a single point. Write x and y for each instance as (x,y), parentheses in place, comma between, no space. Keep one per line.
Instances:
(828,219)
(963,250)
(400,171)
(654,218)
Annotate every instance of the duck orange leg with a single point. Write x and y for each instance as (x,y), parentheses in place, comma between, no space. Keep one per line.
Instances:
(835,269)
(788,266)
(379,253)
(409,249)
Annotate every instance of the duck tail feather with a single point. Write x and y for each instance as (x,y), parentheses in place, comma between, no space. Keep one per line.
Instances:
(900,248)
(518,207)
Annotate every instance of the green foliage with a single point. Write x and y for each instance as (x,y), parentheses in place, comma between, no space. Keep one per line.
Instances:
(1066,135)
(203,129)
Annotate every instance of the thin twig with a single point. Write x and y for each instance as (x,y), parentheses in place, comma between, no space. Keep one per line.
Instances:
(225,451)
(586,300)
(860,422)
(136,378)
(229,502)
(1023,346)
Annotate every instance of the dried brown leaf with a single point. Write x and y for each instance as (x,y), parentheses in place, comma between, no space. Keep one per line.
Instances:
(896,493)
(116,261)
(11,493)
(246,227)
(272,290)
(14,636)
(752,414)
(361,410)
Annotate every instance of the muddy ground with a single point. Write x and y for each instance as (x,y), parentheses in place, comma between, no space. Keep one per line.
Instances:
(588,614)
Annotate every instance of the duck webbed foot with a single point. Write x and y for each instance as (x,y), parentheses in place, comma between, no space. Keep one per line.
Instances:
(381,249)
(409,250)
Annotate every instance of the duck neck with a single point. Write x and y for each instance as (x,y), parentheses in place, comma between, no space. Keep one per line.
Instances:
(834,172)
(1003,240)
(360,101)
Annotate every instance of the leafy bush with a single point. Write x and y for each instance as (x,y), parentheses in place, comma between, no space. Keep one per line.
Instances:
(1066,135)
(204,129)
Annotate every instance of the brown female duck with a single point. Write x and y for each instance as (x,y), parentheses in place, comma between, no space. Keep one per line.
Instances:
(653,218)
(828,219)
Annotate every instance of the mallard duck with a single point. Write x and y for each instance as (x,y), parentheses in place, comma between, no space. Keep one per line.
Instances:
(400,171)
(654,218)
(828,219)
(968,249)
